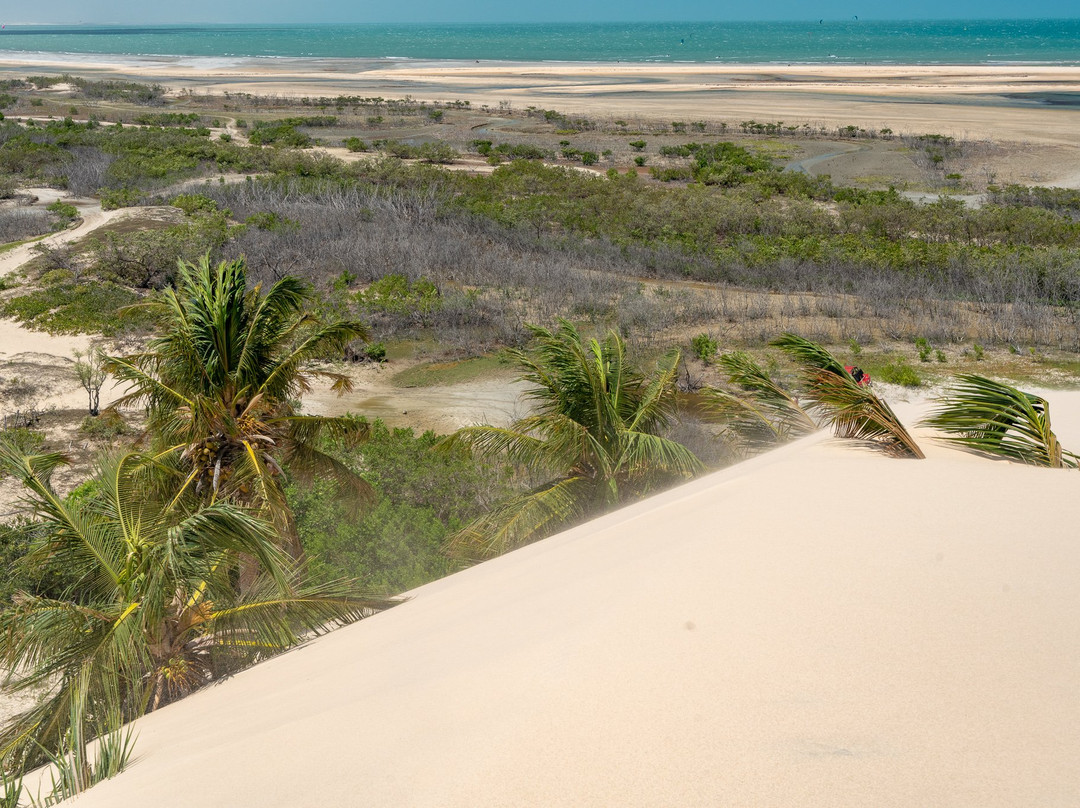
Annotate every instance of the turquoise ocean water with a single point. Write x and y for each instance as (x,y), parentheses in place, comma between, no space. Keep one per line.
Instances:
(827,41)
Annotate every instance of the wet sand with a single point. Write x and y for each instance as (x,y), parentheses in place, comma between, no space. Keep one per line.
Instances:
(1037,104)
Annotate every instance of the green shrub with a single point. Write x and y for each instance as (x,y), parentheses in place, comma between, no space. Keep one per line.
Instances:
(64,212)
(704,347)
(376,351)
(27,441)
(194,203)
(437,152)
(520,151)
(115,198)
(105,427)
(167,118)
(423,496)
(355,144)
(279,133)
(922,345)
(898,372)
(396,294)
(271,222)
(589,158)
(672,174)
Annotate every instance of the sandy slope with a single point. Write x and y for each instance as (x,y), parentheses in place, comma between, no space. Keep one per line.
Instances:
(819,626)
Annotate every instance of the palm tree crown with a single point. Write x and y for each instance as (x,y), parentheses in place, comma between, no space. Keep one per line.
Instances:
(152,611)
(594,435)
(222,379)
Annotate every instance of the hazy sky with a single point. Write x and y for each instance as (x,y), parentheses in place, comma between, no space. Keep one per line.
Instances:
(276,11)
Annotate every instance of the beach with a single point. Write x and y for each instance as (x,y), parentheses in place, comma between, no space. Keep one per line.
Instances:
(1033,104)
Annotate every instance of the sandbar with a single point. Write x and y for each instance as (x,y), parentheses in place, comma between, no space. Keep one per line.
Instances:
(1017,103)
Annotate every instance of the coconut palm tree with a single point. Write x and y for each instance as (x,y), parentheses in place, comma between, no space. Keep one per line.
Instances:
(855,411)
(151,611)
(221,383)
(760,413)
(595,437)
(998,419)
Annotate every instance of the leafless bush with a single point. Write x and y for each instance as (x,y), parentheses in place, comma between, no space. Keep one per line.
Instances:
(87,171)
(357,235)
(17,224)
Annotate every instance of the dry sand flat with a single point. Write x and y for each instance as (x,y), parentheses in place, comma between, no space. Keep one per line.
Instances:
(819,626)
(1004,102)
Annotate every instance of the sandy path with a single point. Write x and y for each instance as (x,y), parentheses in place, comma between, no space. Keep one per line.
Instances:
(91,218)
(46,358)
(494,399)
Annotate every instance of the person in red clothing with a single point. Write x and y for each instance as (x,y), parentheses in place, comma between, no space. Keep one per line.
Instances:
(858,374)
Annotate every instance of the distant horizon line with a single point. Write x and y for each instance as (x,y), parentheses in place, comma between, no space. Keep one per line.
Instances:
(851,18)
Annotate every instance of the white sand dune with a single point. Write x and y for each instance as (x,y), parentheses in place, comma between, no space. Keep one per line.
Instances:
(821,626)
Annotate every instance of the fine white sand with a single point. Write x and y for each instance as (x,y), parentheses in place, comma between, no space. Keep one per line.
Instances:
(820,626)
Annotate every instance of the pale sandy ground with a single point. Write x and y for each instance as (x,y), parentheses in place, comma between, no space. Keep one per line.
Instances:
(818,626)
(1003,102)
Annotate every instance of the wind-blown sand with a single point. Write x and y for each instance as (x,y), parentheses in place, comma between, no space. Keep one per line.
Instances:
(818,626)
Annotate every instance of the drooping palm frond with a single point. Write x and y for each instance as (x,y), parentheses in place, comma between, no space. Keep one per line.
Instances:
(520,521)
(762,413)
(855,412)
(998,419)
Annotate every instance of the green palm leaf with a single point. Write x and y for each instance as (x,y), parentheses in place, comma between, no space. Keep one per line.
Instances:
(855,412)
(594,435)
(514,524)
(761,413)
(221,381)
(998,419)
(154,612)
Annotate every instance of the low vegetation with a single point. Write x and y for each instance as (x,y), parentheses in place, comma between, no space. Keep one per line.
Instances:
(257,262)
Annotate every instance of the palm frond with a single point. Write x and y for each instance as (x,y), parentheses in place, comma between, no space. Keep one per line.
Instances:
(647,456)
(858,414)
(542,443)
(523,520)
(762,413)
(809,354)
(998,419)
(326,340)
(658,402)
(307,464)
(855,412)
(309,428)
